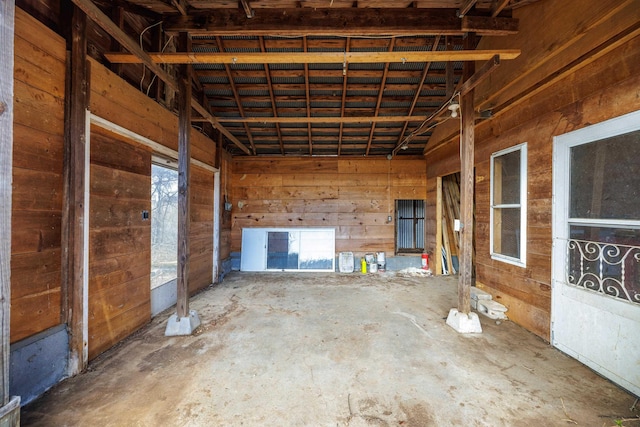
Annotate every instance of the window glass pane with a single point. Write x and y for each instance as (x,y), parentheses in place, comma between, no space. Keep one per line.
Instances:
(282,250)
(506,232)
(164,225)
(506,178)
(604,178)
(316,250)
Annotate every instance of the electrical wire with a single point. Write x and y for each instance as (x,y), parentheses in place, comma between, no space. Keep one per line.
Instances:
(155,75)
(144,68)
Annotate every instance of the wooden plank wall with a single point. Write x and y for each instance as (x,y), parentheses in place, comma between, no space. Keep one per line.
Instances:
(225,216)
(201,232)
(119,241)
(37,177)
(354,196)
(608,87)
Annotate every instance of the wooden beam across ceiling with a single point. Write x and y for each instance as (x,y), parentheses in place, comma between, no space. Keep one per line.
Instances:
(316,119)
(103,21)
(314,57)
(344,22)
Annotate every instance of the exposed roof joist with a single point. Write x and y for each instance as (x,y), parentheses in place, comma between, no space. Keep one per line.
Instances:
(315,57)
(96,15)
(339,22)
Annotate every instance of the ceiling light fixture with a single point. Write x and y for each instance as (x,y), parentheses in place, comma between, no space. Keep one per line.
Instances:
(454,107)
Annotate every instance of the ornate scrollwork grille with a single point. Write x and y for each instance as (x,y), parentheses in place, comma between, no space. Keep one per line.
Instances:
(606,268)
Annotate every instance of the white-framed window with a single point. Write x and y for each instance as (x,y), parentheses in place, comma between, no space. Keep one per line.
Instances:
(508,235)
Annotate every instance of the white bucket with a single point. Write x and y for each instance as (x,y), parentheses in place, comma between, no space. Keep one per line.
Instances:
(382,263)
(373,267)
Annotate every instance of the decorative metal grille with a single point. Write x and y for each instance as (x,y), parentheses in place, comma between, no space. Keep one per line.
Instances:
(606,268)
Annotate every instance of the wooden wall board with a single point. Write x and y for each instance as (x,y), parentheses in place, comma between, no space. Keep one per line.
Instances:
(201,229)
(354,196)
(119,241)
(39,75)
(604,89)
(115,100)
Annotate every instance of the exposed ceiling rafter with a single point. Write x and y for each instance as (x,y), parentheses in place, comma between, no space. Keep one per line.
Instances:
(344,22)
(102,20)
(313,57)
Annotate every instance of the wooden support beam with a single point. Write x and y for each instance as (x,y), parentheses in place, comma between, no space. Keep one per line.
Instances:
(416,97)
(247,9)
(236,96)
(103,21)
(75,196)
(345,71)
(467,142)
(208,117)
(383,82)
(466,7)
(497,7)
(311,57)
(479,75)
(449,76)
(272,97)
(9,407)
(96,15)
(308,97)
(184,175)
(358,119)
(351,22)
(181,5)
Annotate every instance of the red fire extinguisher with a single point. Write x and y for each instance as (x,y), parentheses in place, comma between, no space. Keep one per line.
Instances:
(425,261)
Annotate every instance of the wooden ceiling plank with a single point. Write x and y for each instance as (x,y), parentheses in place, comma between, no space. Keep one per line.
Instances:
(96,15)
(274,107)
(310,57)
(338,22)
(232,84)
(379,100)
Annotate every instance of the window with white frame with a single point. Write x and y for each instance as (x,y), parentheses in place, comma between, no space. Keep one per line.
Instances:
(509,205)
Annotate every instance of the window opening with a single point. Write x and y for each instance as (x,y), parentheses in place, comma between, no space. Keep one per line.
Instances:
(164,225)
(409,226)
(509,204)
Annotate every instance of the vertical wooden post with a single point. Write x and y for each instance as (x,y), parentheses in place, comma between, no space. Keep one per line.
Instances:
(75,209)
(184,174)
(438,254)
(185,321)
(9,407)
(467,141)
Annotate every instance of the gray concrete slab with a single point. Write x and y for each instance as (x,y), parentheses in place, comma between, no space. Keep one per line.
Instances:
(332,350)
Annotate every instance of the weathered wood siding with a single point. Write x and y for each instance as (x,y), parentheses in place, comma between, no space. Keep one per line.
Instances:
(201,232)
(39,75)
(115,100)
(119,241)
(225,216)
(354,196)
(598,90)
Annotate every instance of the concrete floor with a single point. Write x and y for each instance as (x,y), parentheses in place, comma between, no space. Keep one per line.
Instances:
(332,350)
